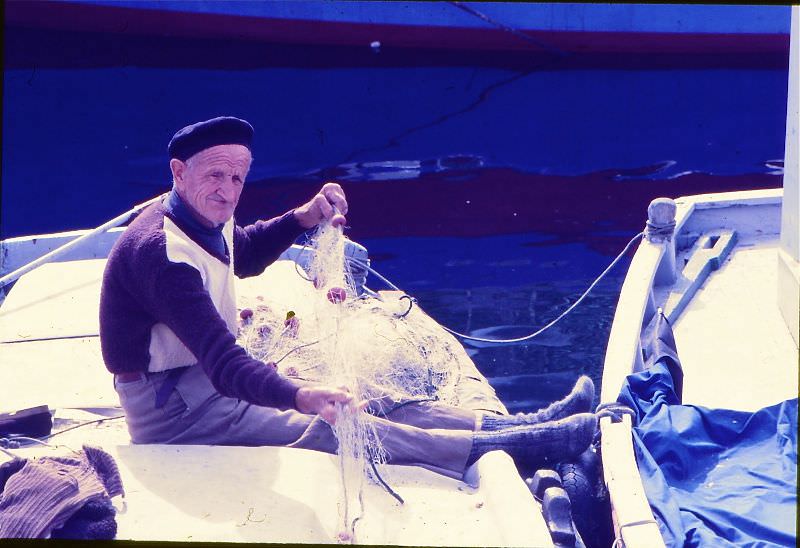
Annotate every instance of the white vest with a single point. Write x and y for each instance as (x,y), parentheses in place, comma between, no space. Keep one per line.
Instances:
(166,350)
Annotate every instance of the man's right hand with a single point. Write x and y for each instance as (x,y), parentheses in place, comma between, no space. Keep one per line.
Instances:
(322,400)
(324,205)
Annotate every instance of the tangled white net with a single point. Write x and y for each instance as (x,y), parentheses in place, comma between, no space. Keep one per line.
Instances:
(373,347)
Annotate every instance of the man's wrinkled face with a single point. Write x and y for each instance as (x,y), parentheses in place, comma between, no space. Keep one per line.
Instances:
(211,181)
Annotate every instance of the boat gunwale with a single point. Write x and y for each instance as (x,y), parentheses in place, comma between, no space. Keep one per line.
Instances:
(634,522)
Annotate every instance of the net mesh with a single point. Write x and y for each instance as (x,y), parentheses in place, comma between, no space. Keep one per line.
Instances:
(380,350)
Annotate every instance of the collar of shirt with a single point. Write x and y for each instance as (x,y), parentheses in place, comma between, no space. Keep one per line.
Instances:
(210,238)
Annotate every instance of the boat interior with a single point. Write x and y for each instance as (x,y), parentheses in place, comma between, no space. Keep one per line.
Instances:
(50,355)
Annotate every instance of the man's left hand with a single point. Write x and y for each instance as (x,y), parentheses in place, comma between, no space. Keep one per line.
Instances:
(325,205)
(323,400)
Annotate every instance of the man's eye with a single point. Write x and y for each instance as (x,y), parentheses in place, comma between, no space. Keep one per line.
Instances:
(237,179)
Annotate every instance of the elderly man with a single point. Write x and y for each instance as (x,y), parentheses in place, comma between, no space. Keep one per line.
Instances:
(168,322)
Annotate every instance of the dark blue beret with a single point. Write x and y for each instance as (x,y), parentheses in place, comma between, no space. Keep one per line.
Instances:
(224,130)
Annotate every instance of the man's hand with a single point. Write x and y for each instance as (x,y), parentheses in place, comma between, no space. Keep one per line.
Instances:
(321,207)
(322,400)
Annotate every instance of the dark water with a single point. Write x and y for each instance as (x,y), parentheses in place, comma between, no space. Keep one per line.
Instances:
(493,191)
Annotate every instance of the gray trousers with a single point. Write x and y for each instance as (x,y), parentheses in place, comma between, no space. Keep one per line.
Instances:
(428,434)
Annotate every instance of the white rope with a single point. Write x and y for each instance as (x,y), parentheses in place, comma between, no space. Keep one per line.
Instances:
(536,333)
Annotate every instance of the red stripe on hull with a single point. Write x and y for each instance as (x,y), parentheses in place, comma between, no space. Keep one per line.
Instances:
(494,201)
(132,21)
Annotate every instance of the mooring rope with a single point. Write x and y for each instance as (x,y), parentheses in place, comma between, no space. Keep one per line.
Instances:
(531,335)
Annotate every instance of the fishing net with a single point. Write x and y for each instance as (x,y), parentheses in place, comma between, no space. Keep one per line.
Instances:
(385,351)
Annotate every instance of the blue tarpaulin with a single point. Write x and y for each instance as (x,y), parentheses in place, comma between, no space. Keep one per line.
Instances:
(713,477)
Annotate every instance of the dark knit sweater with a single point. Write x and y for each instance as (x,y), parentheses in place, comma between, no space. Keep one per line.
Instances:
(41,494)
(167,301)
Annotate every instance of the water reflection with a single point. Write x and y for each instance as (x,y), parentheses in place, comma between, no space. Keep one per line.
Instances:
(392,170)
(531,374)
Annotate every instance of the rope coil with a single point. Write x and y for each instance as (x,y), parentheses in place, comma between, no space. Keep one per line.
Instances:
(615,411)
(657,230)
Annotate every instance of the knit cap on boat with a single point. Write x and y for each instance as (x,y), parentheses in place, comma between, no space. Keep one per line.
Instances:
(223,130)
(94,521)
(45,492)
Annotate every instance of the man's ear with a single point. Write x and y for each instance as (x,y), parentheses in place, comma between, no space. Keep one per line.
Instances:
(178,168)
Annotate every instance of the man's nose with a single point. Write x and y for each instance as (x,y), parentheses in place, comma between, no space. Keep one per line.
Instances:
(227,188)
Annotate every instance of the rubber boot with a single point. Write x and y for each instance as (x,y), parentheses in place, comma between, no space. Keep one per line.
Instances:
(579,400)
(547,441)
